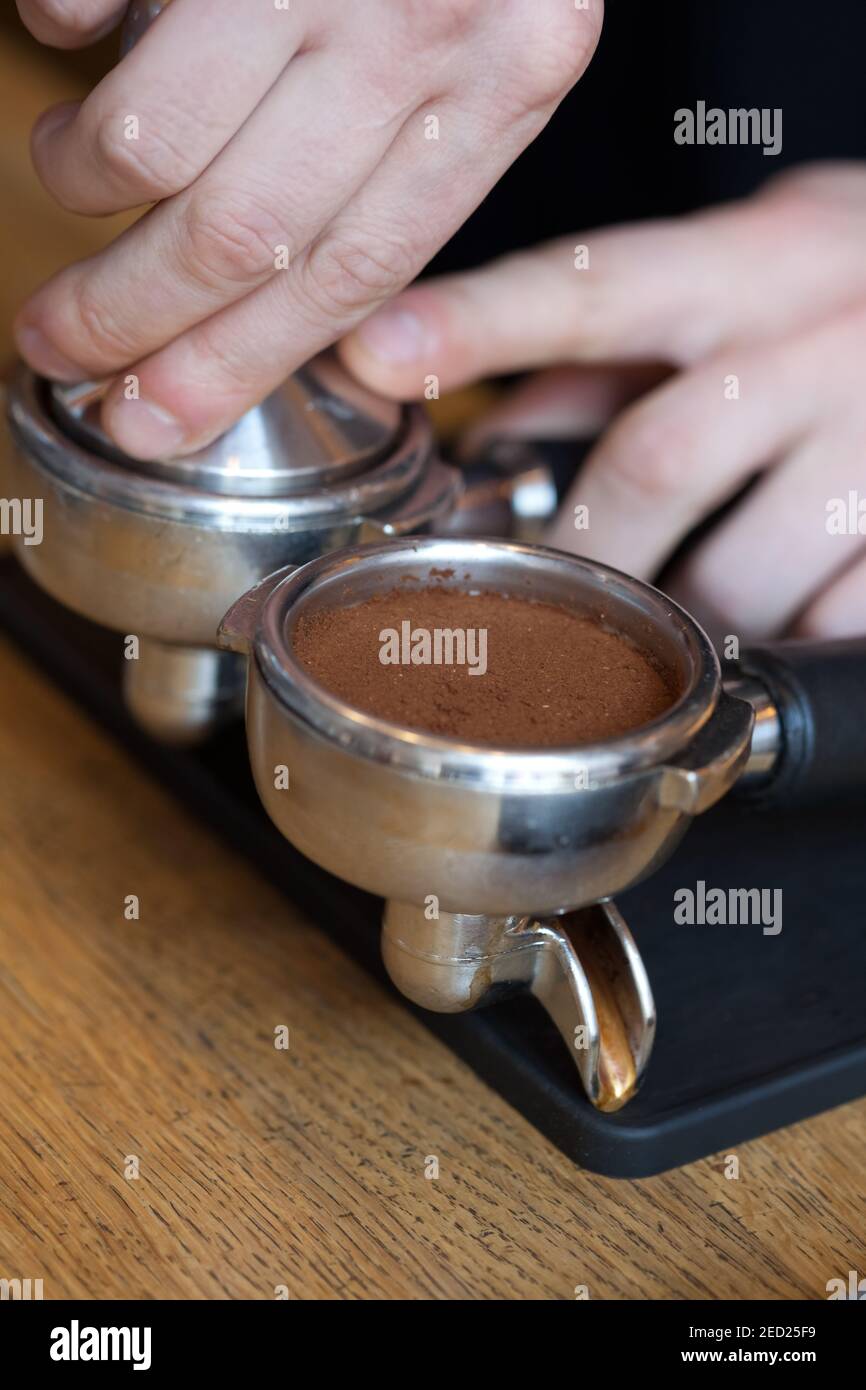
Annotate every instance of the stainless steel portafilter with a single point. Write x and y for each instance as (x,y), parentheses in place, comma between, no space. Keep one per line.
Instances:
(521,851)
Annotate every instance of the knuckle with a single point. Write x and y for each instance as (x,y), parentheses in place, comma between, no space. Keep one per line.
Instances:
(556,43)
(344,272)
(97,336)
(824,182)
(838,612)
(600,317)
(709,585)
(230,240)
(798,208)
(649,457)
(441,21)
(150,165)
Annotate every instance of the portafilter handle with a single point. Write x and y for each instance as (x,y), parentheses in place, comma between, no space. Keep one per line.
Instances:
(809,742)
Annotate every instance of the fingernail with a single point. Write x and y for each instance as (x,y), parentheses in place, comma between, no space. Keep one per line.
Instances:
(55,118)
(43,356)
(144,429)
(394,336)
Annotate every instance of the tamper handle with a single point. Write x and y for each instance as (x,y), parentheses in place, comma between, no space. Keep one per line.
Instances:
(819,692)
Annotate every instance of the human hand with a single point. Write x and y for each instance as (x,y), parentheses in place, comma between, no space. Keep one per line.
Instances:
(299,185)
(724,347)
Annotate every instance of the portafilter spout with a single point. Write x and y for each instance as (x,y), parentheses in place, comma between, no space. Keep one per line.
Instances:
(583,967)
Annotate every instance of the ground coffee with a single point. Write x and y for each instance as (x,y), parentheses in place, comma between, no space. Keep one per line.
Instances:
(531,675)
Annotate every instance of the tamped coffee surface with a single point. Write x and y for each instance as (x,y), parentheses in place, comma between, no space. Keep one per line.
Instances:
(482,668)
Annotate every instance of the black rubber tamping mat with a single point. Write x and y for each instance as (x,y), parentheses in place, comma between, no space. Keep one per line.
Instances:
(755,1031)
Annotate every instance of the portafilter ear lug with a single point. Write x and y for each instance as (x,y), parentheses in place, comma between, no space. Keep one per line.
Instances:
(238,628)
(583,967)
(712,762)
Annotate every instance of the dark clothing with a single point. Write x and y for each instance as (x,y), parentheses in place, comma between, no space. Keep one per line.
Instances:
(609,153)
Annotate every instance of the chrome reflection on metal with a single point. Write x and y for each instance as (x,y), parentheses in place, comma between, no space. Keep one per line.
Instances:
(182,694)
(583,967)
(510,846)
(766,746)
(317,428)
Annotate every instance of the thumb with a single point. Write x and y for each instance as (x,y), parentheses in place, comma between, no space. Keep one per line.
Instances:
(508,316)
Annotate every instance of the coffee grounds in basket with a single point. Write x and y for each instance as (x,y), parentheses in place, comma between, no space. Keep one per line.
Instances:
(540,676)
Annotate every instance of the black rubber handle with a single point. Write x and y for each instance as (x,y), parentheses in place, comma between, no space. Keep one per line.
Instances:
(819,689)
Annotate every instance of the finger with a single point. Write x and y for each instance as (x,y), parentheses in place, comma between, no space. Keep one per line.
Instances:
(158,120)
(420,192)
(840,611)
(780,546)
(669,291)
(258,206)
(561,403)
(682,451)
(762,564)
(70,23)
(533,309)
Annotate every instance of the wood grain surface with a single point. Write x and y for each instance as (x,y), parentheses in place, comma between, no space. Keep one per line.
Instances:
(36,236)
(153,1040)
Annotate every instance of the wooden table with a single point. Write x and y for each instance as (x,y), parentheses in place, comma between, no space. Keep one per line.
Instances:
(148,1045)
